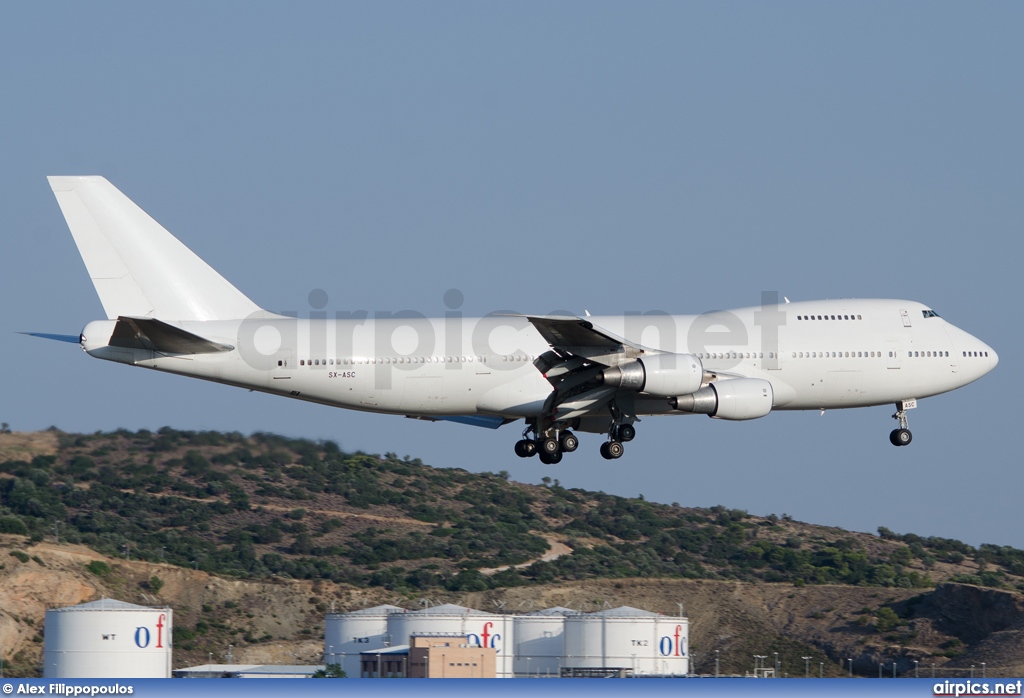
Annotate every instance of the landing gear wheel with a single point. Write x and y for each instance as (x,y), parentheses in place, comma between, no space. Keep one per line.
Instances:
(611,450)
(548,446)
(550,458)
(568,442)
(525,448)
(626,432)
(900,437)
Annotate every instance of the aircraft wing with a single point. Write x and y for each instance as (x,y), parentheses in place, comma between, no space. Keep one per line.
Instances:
(578,333)
(578,337)
(580,351)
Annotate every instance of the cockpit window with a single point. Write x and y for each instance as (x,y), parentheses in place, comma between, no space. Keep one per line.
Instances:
(929,313)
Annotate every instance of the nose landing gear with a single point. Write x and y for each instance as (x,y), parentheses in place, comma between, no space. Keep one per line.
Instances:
(902,436)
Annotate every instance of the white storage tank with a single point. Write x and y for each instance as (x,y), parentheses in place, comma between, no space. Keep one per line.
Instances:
(482,628)
(540,641)
(348,634)
(629,639)
(107,639)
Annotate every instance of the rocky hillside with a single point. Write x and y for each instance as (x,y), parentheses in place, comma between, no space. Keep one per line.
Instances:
(281,621)
(250,539)
(265,506)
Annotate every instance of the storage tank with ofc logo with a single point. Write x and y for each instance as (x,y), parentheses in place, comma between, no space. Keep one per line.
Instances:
(107,639)
(348,634)
(628,640)
(540,641)
(482,628)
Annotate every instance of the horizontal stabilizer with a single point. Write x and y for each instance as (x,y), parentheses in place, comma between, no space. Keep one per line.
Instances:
(69,338)
(156,335)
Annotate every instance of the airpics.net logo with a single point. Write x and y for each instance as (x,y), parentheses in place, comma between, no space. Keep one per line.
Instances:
(977,688)
(404,340)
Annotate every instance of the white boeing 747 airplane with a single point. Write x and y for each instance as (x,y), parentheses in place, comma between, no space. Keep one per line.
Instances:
(167,310)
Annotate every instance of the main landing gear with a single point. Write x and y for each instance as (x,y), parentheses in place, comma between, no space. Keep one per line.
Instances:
(549,447)
(550,444)
(902,435)
(613,448)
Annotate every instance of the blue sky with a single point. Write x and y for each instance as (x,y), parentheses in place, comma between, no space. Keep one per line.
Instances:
(539,156)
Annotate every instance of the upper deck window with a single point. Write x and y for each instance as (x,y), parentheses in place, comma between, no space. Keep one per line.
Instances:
(929,313)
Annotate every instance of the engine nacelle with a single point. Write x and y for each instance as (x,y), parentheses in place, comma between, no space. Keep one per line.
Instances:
(665,375)
(735,399)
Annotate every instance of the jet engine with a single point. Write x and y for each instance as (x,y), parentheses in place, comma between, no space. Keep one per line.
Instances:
(735,399)
(665,375)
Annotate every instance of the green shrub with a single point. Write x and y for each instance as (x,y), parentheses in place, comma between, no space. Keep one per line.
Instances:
(99,568)
(12,524)
(20,555)
(886,619)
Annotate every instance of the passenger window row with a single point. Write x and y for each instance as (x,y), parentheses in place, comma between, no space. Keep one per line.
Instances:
(734,355)
(828,317)
(975,353)
(362,360)
(838,355)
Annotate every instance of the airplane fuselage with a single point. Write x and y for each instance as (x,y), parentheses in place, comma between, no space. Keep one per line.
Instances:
(168,310)
(875,352)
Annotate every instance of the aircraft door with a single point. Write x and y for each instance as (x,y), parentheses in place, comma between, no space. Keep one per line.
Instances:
(894,355)
(285,361)
(905,314)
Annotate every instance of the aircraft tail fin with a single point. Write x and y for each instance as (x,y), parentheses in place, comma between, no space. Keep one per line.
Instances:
(138,268)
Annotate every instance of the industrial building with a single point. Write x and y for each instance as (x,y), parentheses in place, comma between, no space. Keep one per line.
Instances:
(346,635)
(554,642)
(114,639)
(627,640)
(434,655)
(107,639)
(540,642)
(483,629)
